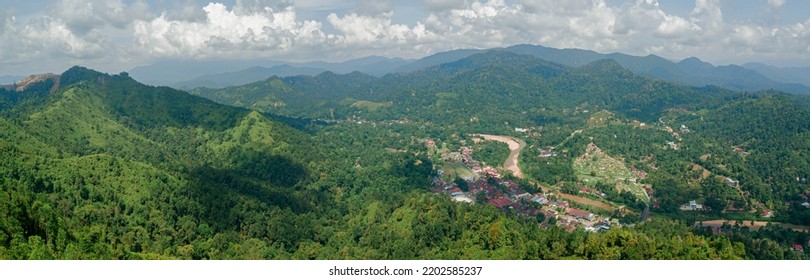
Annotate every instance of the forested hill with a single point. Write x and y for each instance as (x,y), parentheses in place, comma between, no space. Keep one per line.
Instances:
(105,167)
(489,86)
(689,139)
(98,166)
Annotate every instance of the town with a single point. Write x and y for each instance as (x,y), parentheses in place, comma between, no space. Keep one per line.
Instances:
(487,185)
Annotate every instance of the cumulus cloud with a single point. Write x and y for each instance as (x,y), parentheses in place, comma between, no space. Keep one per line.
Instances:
(228,32)
(274,28)
(81,16)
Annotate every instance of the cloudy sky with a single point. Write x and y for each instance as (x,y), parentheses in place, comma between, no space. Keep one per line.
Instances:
(115,35)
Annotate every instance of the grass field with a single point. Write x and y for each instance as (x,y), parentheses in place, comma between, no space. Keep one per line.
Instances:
(597,166)
(362,104)
(453,171)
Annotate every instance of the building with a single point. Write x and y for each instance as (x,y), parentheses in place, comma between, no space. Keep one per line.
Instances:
(692,206)
(539,198)
(581,214)
(500,202)
(455,191)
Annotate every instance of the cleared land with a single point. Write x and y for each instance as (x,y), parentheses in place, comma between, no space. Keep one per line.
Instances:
(597,166)
(452,171)
(755,226)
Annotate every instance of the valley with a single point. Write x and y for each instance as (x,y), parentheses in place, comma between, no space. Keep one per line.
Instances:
(496,155)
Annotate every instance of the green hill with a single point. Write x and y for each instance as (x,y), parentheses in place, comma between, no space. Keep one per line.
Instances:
(98,166)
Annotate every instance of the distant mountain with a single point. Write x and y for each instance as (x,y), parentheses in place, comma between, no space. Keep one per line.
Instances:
(795,75)
(222,73)
(691,71)
(166,73)
(733,77)
(246,76)
(372,65)
(436,59)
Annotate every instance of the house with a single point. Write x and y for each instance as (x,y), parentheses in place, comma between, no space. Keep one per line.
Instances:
(455,191)
(732,182)
(549,152)
(521,130)
(539,198)
(581,214)
(491,172)
(806,204)
(500,202)
(692,206)
(797,247)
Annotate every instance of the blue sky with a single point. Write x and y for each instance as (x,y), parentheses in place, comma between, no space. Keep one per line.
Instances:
(115,35)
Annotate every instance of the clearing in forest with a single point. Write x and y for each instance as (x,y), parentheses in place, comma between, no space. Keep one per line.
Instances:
(596,166)
(452,171)
(602,118)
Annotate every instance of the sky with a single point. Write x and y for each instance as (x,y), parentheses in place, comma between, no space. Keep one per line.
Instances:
(39,36)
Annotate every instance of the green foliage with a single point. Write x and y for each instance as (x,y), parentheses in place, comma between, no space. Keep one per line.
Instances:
(106,168)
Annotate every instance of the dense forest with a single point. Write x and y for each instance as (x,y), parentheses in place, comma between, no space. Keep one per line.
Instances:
(99,166)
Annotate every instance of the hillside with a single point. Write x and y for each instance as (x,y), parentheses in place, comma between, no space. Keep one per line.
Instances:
(103,167)
(499,92)
(689,72)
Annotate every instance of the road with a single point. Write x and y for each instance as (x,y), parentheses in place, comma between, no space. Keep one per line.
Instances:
(754,226)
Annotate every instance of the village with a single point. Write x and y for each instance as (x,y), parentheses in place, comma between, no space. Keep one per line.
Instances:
(486,184)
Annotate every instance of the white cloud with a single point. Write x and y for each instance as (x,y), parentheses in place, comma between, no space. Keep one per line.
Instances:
(228,32)
(776,3)
(117,31)
(81,16)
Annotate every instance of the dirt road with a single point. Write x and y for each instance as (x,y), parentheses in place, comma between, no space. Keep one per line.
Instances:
(755,226)
(515,146)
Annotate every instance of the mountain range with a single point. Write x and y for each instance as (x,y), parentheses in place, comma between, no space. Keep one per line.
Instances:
(339,166)
(690,71)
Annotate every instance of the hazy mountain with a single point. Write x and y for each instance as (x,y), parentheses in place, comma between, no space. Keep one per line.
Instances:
(436,59)
(170,72)
(372,65)
(796,75)
(189,74)
(699,73)
(249,75)
(691,71)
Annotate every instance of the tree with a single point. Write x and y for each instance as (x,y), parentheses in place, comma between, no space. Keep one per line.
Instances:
(462,184)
